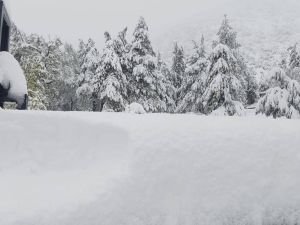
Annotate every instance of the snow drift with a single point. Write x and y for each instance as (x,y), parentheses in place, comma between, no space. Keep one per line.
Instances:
(105,168)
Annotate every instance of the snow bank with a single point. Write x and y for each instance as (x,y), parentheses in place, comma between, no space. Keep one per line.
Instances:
(105,168)
(12,77)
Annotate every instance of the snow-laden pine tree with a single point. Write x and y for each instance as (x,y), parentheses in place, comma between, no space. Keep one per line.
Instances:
(145,83)
(225,91)
(293,63)
(89,63)
(68,84)
(111,82)
(282,96)
(27,54)
(52,63)
(168,90)
(194,81)
(177,69)
(41,61)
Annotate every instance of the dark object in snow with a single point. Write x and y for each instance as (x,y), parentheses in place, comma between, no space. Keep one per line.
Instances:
(5,26)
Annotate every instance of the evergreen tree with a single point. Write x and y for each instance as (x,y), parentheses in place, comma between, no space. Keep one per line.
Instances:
(226,35)
(194,81)
(251,87)
(145,82)
(227,73)
(26,55)
(168,92)
(68,84)
(293,66)
(52,63)
(89,63)
(178,69)
(282,97)
(111,83)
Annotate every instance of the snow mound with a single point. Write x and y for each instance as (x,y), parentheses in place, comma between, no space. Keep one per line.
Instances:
(135,108)
(12,77)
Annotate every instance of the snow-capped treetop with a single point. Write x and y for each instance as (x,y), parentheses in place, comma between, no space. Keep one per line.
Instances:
(227,36)
(141,44)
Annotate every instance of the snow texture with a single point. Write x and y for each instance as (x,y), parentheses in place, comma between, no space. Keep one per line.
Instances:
(135,108)
(113,168)
(12,77)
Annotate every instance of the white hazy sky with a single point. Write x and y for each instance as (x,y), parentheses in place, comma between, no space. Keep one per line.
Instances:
(73,19)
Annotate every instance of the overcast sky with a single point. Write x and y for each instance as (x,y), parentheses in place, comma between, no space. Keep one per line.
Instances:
(71,19)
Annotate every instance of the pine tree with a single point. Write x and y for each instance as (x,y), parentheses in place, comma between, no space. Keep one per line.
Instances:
(27,55)
(230,85)
(167,90)
(145,83)
(226,35)
(282,97)
(194,81)
(178,69)
(225,83)
(52,63)
(89,63)
(251,87)
(68,84)
(293,67)
(111,83)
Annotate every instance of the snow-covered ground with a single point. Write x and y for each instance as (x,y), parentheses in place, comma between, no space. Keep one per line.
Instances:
(112,169)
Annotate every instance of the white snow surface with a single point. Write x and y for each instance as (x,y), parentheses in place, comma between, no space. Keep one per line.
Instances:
(118,168)
(12,75)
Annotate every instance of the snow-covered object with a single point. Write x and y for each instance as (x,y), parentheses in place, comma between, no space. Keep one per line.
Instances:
(232,108)
(146,86)
(135,108)
(12,79)
(112,92)
(194,81)
(282,99)
(274,103)
(118,168)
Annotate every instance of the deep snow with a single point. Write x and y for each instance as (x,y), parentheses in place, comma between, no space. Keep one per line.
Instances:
(110,168)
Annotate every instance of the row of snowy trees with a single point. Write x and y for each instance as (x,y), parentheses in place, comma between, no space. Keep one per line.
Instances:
(207,81)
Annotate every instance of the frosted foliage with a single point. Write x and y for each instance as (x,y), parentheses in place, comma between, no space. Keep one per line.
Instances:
(194,81)
(112,91)
(146,86)
(84,90)
(111,95)
(227,35)
(276,78)
(110,58)
(282,99)
(222,78)
(275,103)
